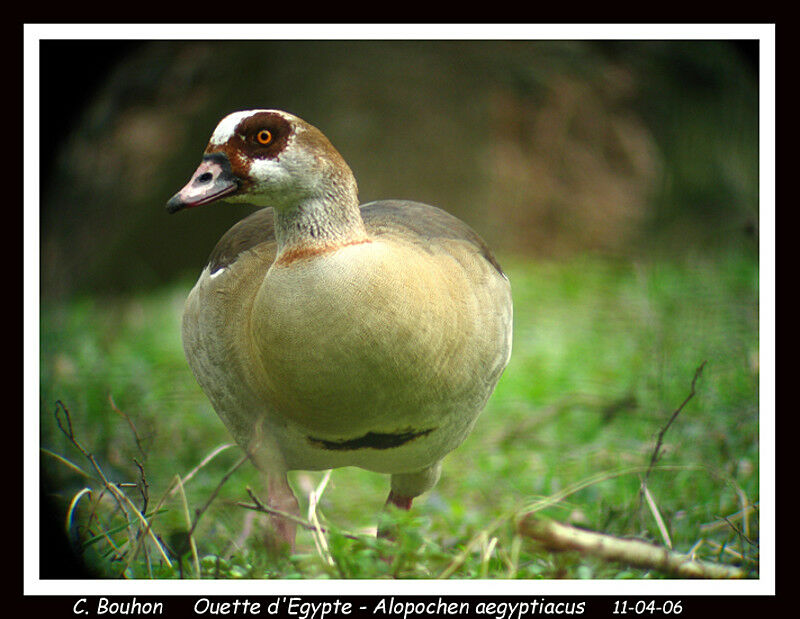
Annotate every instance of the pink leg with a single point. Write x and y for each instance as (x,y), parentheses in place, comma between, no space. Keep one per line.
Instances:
(283,499)
(400,502)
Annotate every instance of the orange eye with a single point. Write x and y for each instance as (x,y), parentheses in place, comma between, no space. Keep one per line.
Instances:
(264,137)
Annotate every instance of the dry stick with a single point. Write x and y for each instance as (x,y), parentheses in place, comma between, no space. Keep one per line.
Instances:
(722,548)
(147,529)
(554,499)
(260,507)
(119,496)
(538,506)
(130,423)
(660,438)
(740,533)
(722,524)
(68,432)
(200,511)
(203,462)
(558,537)
(528,517)
(143,489)
(171,490)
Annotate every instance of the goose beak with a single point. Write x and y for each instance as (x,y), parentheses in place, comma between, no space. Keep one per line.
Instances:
(212,180)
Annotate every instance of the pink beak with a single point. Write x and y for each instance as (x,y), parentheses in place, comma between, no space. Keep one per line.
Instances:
(212,180)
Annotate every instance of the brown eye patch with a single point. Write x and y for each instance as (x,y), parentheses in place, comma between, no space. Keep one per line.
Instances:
(249,141)
(265,134)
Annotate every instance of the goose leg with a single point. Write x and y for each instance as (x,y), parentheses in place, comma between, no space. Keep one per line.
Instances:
(399,501)
(282,498)
(407,486)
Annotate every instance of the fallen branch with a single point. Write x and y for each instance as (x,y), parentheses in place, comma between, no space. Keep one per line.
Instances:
(559,537)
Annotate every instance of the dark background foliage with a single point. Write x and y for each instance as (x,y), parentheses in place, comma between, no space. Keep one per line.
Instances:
(548,148)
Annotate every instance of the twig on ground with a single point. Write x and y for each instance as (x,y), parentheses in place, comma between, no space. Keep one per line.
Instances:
(178,483)
(660,439)
(68,432)
(120,497)
(260,507)
(147,529)
(644,493)
(559,537)
(203,462)
(130,423)
(540,505)
(726,521)
(740,533)
(143,486)
(144,491)
(198,513)
(723,549)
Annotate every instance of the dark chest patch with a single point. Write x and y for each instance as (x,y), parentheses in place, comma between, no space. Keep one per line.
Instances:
(371,440)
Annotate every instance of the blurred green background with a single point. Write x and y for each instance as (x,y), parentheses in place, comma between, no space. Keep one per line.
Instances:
(617,182)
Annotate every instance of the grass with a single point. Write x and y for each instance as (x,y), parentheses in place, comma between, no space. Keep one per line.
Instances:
(604,353)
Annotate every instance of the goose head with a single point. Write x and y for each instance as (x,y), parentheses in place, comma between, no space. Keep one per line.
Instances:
(267,158)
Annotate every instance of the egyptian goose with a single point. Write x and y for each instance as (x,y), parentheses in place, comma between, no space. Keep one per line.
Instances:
(328,334)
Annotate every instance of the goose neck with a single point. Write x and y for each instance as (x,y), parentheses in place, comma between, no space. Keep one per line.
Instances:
(319,224)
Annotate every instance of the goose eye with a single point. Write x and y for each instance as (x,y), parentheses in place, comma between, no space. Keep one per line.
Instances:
(264,137)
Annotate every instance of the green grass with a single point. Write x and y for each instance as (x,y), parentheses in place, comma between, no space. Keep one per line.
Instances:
(604,352)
